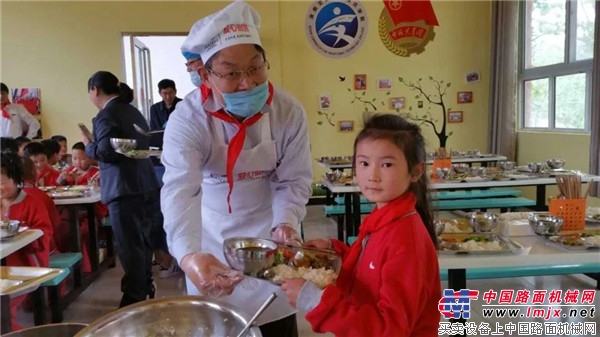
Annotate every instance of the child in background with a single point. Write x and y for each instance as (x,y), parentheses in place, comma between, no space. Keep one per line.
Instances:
(389,283)
(30,187)
(81,173)
(64,159)
(18,205)
(52,149)
(46,175)
(21,143)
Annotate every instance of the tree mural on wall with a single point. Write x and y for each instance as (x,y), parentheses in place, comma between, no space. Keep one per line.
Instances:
(328,117)
(436,99)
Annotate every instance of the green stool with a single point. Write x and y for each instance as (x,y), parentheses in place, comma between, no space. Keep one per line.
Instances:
(53,287)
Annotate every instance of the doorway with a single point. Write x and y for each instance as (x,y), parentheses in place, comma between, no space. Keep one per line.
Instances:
(150,58)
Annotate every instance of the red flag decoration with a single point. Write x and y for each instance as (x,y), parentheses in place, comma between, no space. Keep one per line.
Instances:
(410,11)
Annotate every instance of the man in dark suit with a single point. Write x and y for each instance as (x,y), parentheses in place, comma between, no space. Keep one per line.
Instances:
(128,186)
(160,112)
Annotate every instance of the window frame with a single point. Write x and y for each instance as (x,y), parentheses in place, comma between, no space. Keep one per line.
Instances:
(569,66)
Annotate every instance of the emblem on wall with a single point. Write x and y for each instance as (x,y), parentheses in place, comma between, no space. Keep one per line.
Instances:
(406,26)
(336,28)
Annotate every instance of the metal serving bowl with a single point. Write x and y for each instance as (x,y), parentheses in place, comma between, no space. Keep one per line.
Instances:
(9,228)
(460,168)
(545,224)
(556,163)
(54,330)
(249,255)
(172,316)
(122,144)
(482,221)
(473,153)
(439,227)
(535,167)
(507,165)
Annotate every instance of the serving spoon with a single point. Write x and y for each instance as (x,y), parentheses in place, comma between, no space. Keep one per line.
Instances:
(260,311)
(146,133)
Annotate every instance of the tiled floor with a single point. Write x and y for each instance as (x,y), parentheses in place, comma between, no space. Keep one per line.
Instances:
(103,296)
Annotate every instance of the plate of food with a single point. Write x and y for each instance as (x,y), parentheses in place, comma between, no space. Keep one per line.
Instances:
(592,215)
(456,226)
(66,194)
(477,244)
(140,154)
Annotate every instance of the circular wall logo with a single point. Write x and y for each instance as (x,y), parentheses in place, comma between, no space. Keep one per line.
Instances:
(336,28)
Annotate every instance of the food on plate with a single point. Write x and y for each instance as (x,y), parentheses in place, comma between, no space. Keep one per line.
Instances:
(319,276)
(472,243)
(456,226)
(314,265)
(593,240)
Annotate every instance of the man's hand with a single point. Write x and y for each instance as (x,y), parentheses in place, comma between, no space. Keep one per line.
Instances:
(209,275)
(286,234)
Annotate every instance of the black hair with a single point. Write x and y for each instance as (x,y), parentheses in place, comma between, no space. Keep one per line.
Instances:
(34,149)
(59,138)
(22,140)
(208,63)
(29,173)
(3,87)
(8,145)
(109,84)
(166,84)
(12,167)
(51,146)
(78,146)
(406,136)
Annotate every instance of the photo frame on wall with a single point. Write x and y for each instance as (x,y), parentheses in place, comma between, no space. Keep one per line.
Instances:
(384,83)
(455,116)
(346,126)
(325,101)
(360,82)
(472,76)
(397,103)
(463,97)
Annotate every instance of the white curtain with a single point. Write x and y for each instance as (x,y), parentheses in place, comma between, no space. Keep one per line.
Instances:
(502,137)
(595,118)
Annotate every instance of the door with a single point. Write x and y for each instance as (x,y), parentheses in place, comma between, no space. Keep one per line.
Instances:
(142,76)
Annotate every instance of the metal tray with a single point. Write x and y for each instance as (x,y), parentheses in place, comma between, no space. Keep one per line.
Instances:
(510,246)
(559,241)
(15,279)
(140,154)
(66,194)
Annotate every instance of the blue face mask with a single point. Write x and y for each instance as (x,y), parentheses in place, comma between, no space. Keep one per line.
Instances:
(196,79)
(247,103)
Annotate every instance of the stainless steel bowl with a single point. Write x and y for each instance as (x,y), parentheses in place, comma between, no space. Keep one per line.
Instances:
(507,165)
(460,168)
(473,153)
(172,316)
(482,221)
(439,227)
(251,256)
(535,167)
(9,228)
(442,172)
(54,330)
(545,224)
(122,144)
(556,163)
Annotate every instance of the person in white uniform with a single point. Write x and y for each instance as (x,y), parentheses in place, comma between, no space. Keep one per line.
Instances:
(237,160)
(15,120)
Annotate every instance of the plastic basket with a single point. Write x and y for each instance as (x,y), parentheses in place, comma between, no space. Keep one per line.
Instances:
(571,210)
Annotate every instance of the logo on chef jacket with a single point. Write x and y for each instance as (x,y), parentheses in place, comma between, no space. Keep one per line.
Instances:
(405,27)
(336,28)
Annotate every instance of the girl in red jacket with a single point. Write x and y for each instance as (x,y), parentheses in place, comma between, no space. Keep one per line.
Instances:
(389,283)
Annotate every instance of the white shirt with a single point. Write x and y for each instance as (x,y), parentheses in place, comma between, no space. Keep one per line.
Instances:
(21,123)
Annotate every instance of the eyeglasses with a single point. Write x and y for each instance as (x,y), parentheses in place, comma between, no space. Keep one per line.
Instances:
(235,76)
(189,63)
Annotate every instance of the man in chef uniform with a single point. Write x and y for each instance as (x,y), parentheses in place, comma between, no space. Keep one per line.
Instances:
(237,159)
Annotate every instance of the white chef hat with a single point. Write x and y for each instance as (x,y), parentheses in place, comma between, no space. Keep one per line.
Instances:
(238,23)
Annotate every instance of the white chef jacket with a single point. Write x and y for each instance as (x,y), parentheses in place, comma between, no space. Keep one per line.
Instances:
(21,123)
(272,184)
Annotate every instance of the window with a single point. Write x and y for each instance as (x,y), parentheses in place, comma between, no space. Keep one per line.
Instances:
(556,64)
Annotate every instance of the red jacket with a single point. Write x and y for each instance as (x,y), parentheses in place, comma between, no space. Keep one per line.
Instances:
(47,177)
(41,196)
(396,287)
(34,215)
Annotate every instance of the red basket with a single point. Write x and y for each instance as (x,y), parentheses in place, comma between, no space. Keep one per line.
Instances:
(571,210)
(440,163)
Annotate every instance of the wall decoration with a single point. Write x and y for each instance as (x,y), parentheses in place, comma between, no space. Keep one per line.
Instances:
(405,27)
(384,83)
(463,97)
(420,104)
(346,126)
(336,28)
(397,103)
(455,116)
(29,98)
(325,101)
(435,98)
(472,76)
(360,82)
(328,117)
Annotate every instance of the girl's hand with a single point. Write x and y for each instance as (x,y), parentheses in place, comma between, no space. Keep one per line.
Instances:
(319,243)
(292,289)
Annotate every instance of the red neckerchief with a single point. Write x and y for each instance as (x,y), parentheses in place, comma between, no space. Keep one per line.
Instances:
(5,113)
(379,218)
(236,143)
